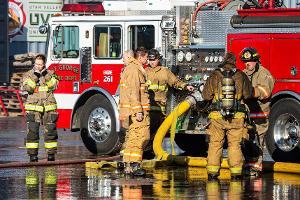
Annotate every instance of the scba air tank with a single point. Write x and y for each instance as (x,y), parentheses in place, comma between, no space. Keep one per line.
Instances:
(228,94)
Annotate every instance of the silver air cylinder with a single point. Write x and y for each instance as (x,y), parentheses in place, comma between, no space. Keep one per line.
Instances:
(228,95)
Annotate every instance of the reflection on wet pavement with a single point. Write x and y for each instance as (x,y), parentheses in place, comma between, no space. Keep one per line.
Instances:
(76,182)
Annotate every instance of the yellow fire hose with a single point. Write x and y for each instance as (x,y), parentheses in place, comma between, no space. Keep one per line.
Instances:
(163,129)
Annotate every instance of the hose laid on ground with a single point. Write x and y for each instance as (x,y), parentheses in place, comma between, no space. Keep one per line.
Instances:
(162,156)
(57,162)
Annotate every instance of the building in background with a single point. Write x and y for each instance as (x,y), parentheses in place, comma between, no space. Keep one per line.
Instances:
(25,17)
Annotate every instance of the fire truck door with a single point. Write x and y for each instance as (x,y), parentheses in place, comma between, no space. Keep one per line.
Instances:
(64,56)
(146,34)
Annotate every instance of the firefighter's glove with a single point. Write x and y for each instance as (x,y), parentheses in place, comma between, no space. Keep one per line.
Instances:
(48,77)
(37,74)
(190,88)
(139,116)
(44,73)
(52,117)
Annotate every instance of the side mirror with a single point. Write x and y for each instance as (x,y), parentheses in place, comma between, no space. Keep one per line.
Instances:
(43,29)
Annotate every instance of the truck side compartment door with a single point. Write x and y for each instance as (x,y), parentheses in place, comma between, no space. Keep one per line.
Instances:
(285,52)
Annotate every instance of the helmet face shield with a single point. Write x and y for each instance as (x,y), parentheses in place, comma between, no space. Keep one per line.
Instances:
(250,55)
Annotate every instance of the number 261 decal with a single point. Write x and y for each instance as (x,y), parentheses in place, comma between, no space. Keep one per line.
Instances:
(107,79)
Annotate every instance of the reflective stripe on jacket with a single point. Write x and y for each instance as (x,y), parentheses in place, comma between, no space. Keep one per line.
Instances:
(158,80)
(134,96)
(40,91)
(263,84)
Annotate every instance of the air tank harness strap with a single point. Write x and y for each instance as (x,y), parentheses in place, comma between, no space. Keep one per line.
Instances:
(215,110)
(216,106)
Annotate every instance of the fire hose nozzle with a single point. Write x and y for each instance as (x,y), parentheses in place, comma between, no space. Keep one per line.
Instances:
(192,99)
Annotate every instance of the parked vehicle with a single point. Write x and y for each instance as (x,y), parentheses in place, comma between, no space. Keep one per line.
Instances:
(85,47)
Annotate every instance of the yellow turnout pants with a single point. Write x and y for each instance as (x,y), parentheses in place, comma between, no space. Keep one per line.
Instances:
(233,128)
(137,138)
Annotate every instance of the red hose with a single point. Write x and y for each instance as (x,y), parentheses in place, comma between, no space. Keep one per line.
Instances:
(271,3)
(57,162)
(195,15)
(220,3)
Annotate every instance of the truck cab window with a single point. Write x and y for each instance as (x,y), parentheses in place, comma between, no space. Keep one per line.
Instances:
(141,35)
(65,42)
(107,42)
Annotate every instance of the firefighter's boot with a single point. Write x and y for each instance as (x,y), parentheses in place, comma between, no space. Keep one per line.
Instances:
(250,171)
(236,176)
(127,169)
(51,157)
(212,176)
(33,158)
(120,167)
(137,170)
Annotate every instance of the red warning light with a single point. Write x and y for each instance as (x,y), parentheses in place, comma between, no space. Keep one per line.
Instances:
(83,8)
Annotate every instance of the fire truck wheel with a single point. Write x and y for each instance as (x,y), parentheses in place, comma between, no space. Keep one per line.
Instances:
(98,126)
(283,136)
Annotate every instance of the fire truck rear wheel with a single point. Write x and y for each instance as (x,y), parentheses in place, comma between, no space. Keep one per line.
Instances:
(283,137)
(98,126)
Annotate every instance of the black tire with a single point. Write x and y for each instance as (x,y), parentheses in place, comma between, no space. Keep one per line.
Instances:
(107,140)
(284,130)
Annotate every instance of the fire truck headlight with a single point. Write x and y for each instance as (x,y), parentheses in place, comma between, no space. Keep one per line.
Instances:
(180,56)
(188,56)
(211,58)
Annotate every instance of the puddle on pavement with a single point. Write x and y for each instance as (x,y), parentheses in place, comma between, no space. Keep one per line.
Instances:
(78,182)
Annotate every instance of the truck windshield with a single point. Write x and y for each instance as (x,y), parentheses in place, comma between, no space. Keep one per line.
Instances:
(65,42)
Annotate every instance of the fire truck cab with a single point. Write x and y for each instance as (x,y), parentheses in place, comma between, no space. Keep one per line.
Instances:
(85,50)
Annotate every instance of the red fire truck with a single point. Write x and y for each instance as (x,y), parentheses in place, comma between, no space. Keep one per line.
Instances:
(85,47)
(275,33)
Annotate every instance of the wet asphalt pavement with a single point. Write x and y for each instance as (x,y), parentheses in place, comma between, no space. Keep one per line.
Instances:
(78,182)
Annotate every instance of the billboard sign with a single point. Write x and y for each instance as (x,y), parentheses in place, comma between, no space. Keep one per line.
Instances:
(25,17)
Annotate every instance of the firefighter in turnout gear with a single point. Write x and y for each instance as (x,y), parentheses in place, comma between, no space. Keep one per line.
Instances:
(226,88)
(159,78)
(134,108)
(263,84)
(40,108)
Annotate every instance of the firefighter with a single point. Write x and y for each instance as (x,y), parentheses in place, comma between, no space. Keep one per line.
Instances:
(226,88)
(134,104)
(40,108)
(263,84)
(159,78)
